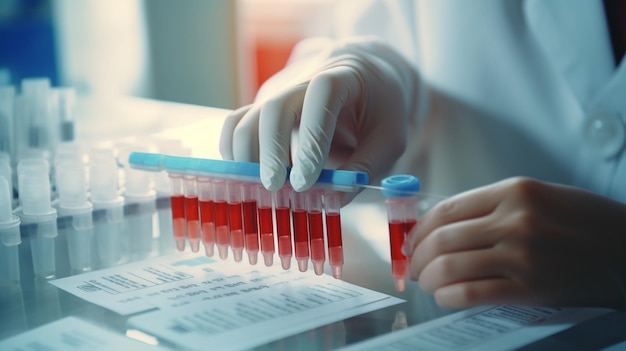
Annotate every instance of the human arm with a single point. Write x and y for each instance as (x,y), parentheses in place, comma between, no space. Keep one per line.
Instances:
(522,241)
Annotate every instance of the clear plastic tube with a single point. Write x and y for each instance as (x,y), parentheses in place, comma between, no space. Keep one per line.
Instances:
(402,216)
(207,214)
(222,237)
(108,204)
(38,217)
(235,220)
(250,220)
(300,229)
(7,99)
(266,224)
(140,212)
(314,206)
(75,221)
(332,206)
(192,213)
(65,101)
(177,203)
(9,237)
(283,225)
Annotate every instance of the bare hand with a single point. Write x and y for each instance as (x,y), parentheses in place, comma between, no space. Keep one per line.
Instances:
(522,241)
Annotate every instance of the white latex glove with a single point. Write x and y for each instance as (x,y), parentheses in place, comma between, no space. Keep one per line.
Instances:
(349,102)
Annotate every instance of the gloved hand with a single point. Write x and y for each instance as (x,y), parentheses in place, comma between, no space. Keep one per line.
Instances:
(348,103)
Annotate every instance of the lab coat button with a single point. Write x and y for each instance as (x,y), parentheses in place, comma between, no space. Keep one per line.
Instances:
(605,133)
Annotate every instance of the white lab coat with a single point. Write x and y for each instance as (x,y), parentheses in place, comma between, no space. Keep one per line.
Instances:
(516,87)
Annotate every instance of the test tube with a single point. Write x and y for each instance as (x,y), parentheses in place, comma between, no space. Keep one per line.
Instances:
(222,239)
(401,200)
(108,205)
(235,220)
(36,92)
(283,225)
(75,220)
(266,224)
(207,214)
(192,213)
(9,236)
(314,207)
(167,244)
(177,202)
(7,172)
(332,206)
(7,98)
(300,229)
(38,217)
(65,99)
(139,212)
(250,224)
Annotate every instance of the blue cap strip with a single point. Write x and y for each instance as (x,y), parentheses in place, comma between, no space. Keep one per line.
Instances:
(247,171)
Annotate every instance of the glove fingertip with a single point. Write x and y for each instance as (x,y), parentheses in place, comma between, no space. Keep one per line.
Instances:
(273,179)
(300,181)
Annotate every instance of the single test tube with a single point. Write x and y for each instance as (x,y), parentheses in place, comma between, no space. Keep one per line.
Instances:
(177,201)
(65,107)
(7,111)
(38,217)
(207,214)
(9,236)
(222,238)
(7,172)
(192,213)
(250,220)
(300,229)
(75,214)
(235,220)
(36,94)
(283,225)
(139,213)
(108,206)
(266,224)
(401,201)
(314,207)
(332,206)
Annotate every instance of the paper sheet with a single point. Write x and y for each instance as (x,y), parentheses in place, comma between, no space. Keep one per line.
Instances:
(216,301)
(238,322)
(502,327)
(71,333)
(188,279)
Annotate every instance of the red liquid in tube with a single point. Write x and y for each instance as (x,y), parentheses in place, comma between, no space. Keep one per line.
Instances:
(283,230)
(251,230)
(301,238)
(266,234)
(316,237)
(193,222)
(207,220)
(222,239)
(177,202)
(235,227)
(335,242)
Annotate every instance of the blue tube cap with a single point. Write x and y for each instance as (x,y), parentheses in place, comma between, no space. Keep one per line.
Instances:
(400,185)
